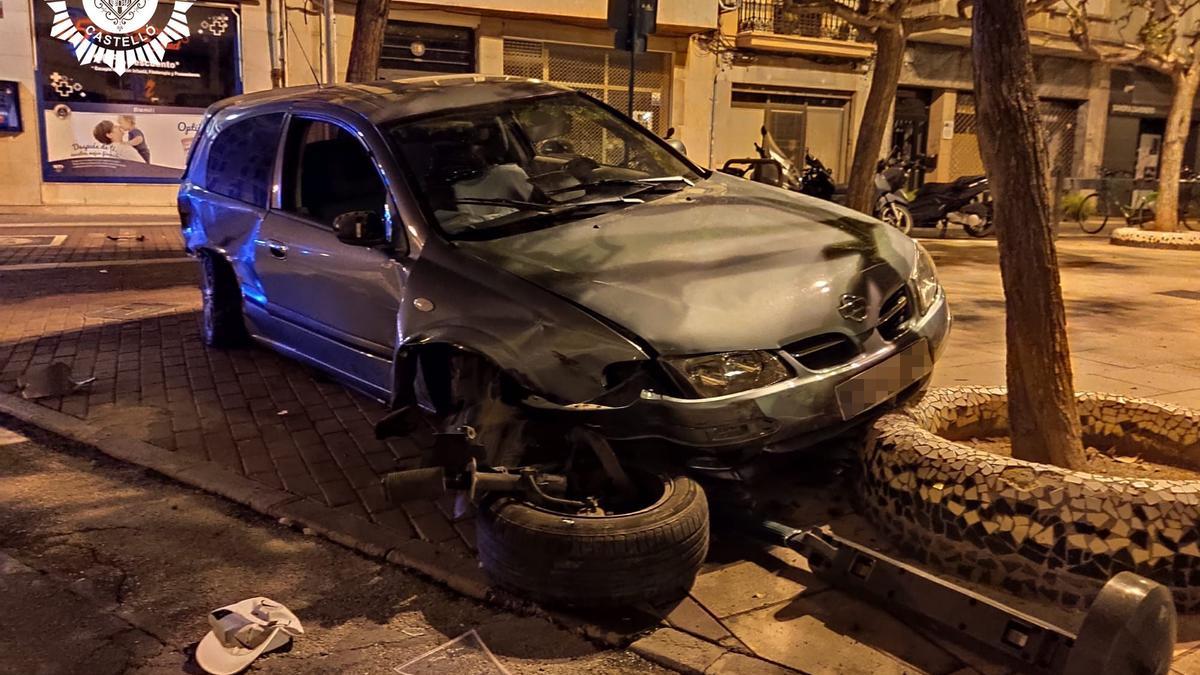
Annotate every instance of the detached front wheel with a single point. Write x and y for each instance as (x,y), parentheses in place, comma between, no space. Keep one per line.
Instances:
(648,550)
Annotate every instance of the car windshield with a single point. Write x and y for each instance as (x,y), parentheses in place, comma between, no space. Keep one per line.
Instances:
(493,169)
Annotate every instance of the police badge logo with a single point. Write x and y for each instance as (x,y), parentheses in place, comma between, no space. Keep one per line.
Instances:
(119,33)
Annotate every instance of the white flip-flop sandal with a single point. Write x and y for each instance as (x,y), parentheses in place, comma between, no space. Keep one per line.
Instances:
(243,631)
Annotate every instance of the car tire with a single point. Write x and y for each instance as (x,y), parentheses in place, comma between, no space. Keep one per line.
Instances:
(221,325)
(651,555)
(981,230)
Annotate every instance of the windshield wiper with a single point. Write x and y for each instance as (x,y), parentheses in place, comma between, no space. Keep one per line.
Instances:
(500,201)
(539,220)
(641,182)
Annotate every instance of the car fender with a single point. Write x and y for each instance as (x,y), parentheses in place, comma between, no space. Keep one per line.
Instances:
(547,344)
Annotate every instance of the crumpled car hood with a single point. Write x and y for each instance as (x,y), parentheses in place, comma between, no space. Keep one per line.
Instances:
(725,265)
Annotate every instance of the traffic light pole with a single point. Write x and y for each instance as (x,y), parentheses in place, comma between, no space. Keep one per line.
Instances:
(632,65)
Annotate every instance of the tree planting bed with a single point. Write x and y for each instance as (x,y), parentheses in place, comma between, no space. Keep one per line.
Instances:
(1036,529)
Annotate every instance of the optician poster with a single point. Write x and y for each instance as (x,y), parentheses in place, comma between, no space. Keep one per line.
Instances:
(99,125)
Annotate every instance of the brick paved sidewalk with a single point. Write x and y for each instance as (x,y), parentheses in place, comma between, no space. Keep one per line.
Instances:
(268,418)
(43,245)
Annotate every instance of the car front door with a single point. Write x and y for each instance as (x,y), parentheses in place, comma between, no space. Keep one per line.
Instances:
(331,303)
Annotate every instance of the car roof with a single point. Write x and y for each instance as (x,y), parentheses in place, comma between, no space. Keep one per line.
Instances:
(387,100)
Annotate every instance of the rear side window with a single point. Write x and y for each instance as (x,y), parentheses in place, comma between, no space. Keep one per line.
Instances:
(241,158)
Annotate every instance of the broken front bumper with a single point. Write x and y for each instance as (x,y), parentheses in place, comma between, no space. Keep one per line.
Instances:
(788,415)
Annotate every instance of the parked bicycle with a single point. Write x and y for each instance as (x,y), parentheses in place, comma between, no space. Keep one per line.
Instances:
(1109,201)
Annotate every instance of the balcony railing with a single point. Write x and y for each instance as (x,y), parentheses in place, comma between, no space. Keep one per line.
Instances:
(782,17)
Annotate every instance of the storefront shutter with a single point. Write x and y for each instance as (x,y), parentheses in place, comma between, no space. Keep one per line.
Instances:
(602,73)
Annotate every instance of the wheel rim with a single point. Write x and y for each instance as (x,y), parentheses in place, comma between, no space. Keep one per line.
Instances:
(897,218)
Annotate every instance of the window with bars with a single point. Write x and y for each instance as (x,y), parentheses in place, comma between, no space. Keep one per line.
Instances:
(1058,126)
(410,48)
(601,73)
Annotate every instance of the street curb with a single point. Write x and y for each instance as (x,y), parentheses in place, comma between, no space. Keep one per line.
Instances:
(665,646)
(370,539)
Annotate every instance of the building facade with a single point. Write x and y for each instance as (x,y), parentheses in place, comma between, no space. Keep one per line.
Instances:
(717,72)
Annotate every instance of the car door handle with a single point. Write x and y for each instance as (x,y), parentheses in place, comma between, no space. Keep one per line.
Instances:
(278,249)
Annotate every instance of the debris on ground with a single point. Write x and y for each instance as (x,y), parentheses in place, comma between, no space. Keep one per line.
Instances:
(242,632)
(53,379)
(466,654)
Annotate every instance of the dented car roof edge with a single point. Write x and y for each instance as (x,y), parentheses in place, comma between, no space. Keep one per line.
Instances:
(389,100)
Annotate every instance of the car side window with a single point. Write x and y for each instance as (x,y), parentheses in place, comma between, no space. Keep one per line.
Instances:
(328,172)
(242,157)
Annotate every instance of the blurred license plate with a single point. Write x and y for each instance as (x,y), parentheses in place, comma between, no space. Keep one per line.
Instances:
(883,380)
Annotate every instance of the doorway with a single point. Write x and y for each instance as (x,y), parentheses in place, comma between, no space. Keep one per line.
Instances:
(800,121)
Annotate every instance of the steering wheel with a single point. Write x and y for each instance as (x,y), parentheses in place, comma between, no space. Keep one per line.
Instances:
(555,146)
(578,168)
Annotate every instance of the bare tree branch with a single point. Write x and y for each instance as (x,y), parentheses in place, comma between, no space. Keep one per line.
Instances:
(1141,52)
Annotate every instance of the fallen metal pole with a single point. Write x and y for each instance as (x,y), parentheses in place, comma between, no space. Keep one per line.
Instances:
(1130,628)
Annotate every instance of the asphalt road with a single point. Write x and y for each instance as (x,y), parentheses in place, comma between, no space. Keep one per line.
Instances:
(106,569)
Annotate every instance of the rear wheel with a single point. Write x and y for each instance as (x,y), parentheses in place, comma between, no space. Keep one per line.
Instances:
(1092,215)
(1189,213)
(898,216)
(983,229)
(222,324)
(647,550)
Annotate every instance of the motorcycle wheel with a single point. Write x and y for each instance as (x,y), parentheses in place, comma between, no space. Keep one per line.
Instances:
(981,230)
(898,216)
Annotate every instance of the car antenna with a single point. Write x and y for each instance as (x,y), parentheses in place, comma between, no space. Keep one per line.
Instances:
(307,61)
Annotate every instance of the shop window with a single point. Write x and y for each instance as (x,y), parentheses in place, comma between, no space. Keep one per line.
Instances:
(242,157)
(329,172)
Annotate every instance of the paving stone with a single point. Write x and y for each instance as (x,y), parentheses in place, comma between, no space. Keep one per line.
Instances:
(742,586)
(395,519)
(829,632)
(733,663)
(432,525)
(689,616)
(678,651)
(338,493)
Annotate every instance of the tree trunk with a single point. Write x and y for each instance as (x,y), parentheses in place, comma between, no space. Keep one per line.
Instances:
(1179,122)
(370,22)
(1041,401)
(885,78)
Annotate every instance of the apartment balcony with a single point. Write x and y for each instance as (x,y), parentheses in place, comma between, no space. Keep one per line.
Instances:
(778,26)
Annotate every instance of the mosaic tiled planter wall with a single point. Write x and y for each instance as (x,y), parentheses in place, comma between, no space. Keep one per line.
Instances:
(1035,529)
(1139,238)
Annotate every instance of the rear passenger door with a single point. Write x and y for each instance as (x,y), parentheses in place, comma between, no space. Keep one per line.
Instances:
(227,189)
(338,301)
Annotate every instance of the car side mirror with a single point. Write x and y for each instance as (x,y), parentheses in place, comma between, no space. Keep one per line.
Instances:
(360,228)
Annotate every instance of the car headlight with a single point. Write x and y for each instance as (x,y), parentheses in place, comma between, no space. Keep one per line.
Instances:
(729,373)
(924,280)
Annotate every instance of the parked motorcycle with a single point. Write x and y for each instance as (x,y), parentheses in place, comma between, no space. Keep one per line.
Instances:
(966,201)
(773,167)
